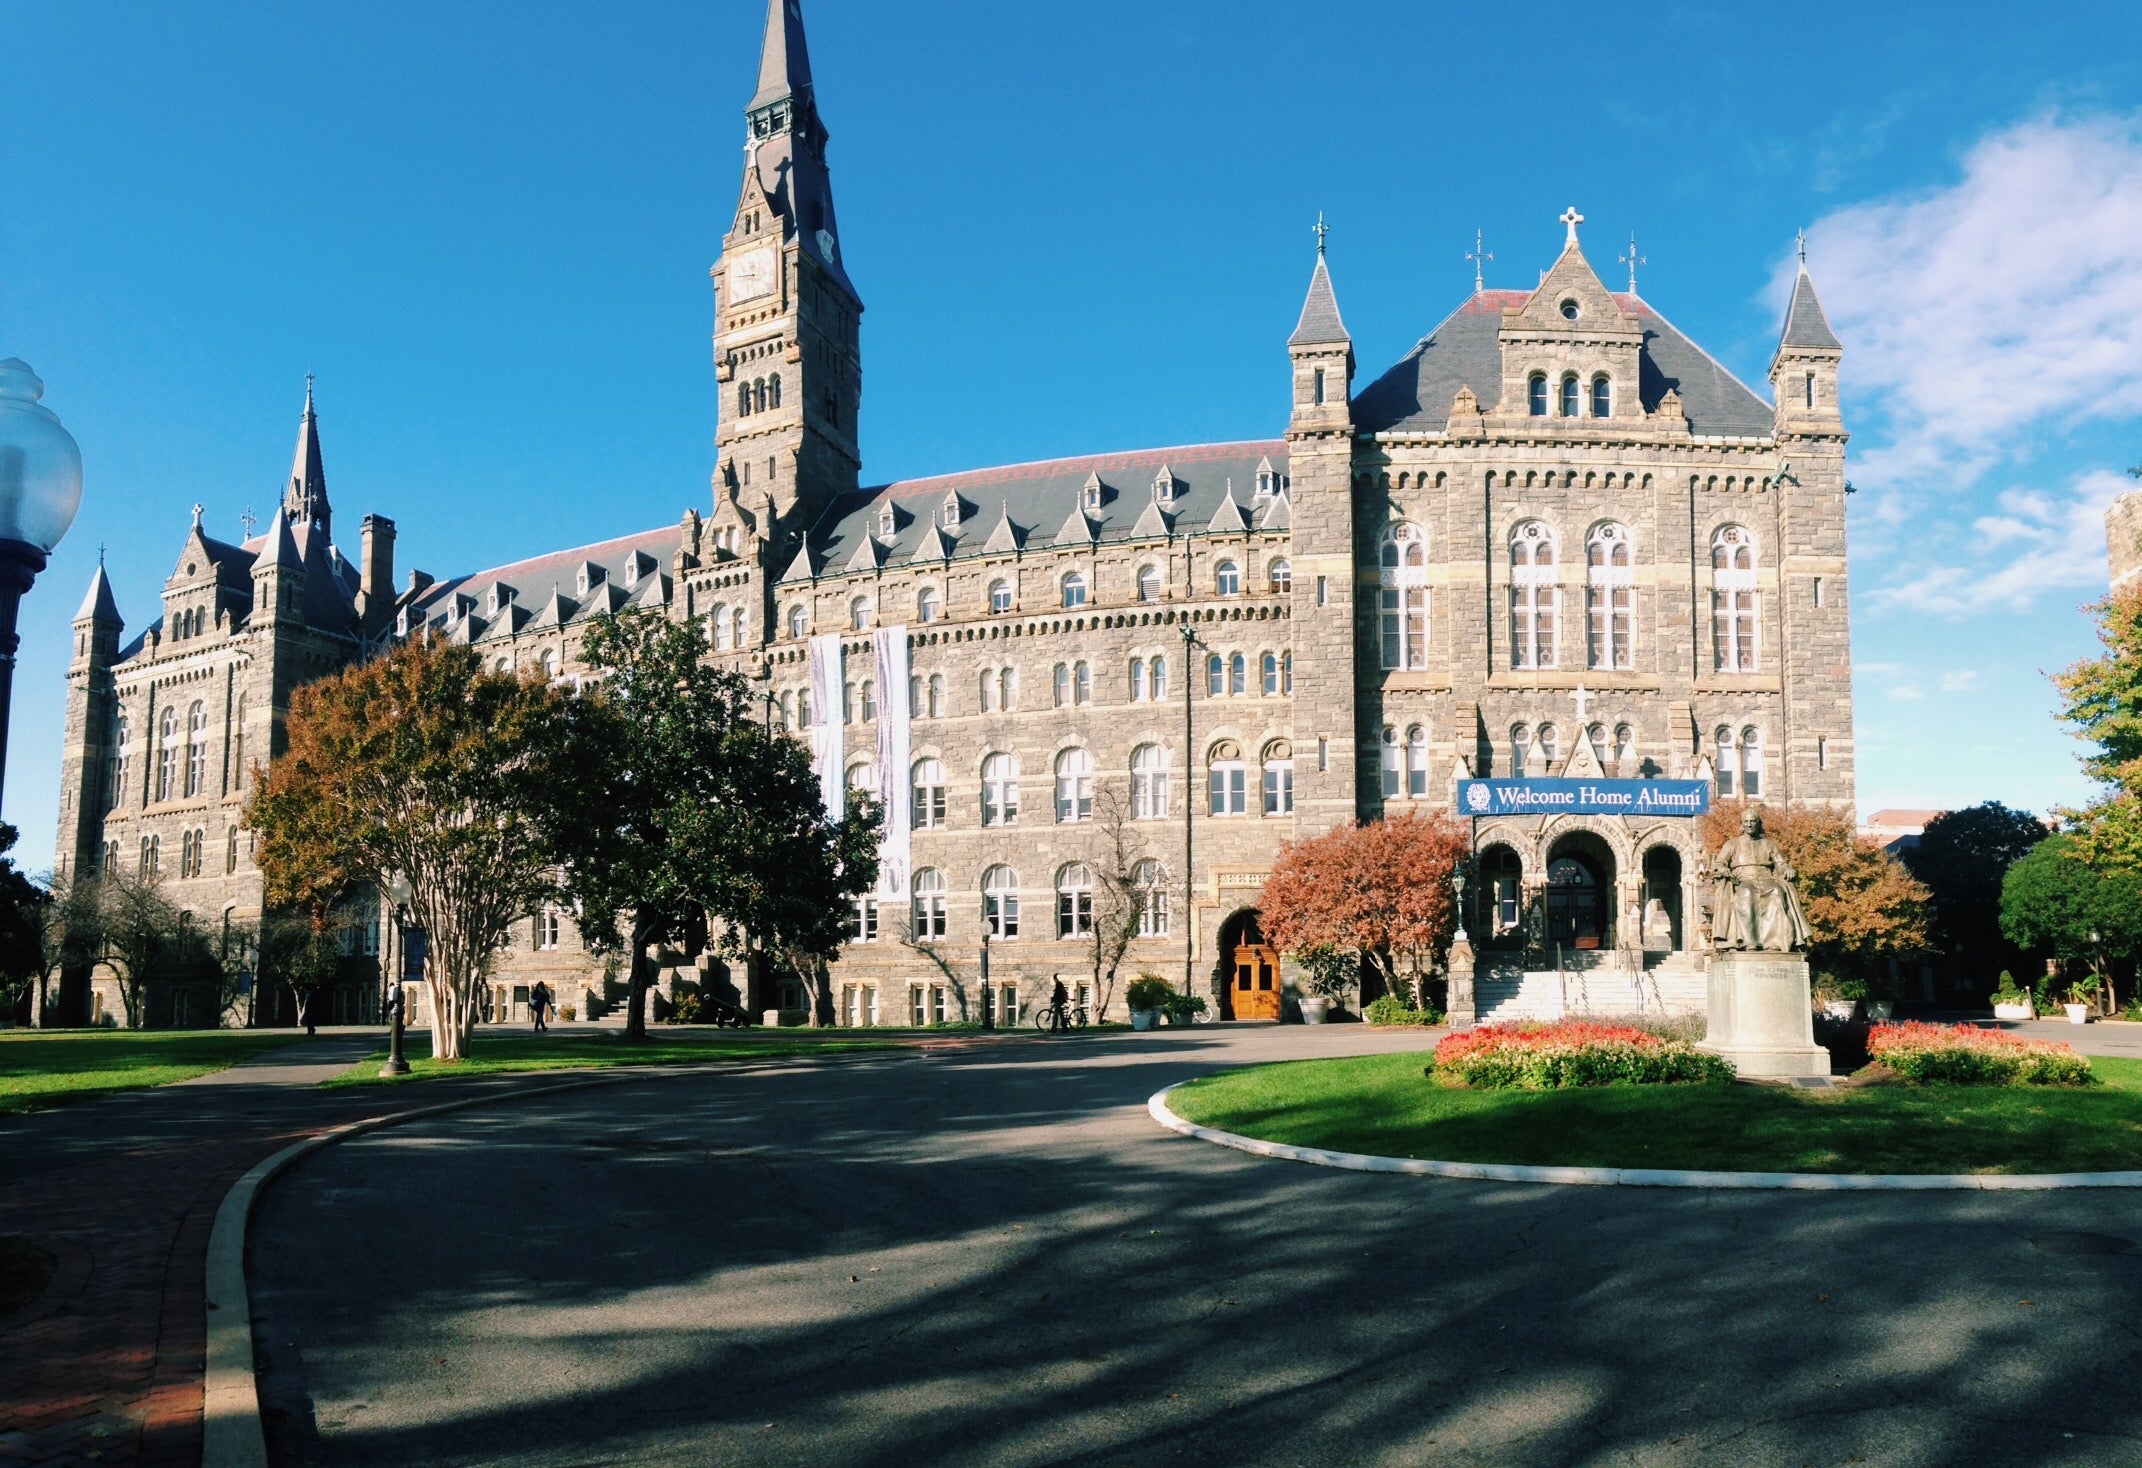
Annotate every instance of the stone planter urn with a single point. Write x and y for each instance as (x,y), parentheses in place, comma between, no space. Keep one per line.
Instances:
(2011,1011)
(1838,1009)
(1144,1019)
(1315,1008)
(1880,1009)
(2078,1014)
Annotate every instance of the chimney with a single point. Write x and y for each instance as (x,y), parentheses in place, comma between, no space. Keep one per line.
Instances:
(376,571)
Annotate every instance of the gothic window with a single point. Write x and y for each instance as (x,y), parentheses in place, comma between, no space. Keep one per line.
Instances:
(803,708)
(1282,574)
(1062,683)
(936,703)
(758,396)
(1237,675)
(166,753)
(859,611)
(773,391)
(1149,783)
(847,704)
(1227,782)
(799,621)
(121,737)
(1082,683)
(1520,748)
(1609,598)
(1286,673)
(1000,790)
(870,700)
(863,778)
(1571,399)
(1000,902)
(1075,589)
(153,856)
(720,624)
(1728,763)
(1151,880)
(989,690)
(1074,901)
(1137,680)
(550,665)
(1279,780)
(1751,763)
(1595,736)
(1157,670)
(1268,666)
(1416,763)
(1624,744)
(1535,600)
(1227,579)
(196,748)
(1149,583)
(929,903)
(1550,740)
(185,861)
(1602,396)
(1393,760)
(1008,689)
(1074,786)
(927,811)
(927,607)
(230,851)
(1733,600)
(1536,395)
(739,624)
(1000,596)
(1215,676)
(1402,571)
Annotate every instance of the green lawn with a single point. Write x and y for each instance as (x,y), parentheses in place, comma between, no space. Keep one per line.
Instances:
(492,1051)
(1384,1104)
(39,1069)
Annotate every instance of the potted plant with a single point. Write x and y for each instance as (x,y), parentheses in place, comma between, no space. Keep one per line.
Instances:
(1147,995)
(2082,998)
(1837,996)
(1330,971)
(2010,1002)
(1182,1009)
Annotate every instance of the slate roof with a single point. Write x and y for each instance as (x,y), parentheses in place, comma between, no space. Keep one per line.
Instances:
(1464,351)
(1031,504)
(99,603)
(1319,324)
(545,589)
(1805,323)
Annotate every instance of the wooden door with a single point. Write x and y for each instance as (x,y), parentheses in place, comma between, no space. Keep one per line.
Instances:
(1255,992)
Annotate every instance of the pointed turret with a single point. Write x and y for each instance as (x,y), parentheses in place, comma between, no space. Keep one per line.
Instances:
(1803,374)
(1323,354)
(305,501)
(1805,323)
(788,139)
(1320,324)
(99,605)
(784,57)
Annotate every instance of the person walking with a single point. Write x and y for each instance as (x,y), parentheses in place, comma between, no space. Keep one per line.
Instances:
(539,1005)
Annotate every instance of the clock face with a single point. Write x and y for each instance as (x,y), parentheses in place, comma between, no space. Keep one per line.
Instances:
(751,275)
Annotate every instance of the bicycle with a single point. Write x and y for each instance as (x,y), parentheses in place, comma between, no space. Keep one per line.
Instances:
(1052,1019)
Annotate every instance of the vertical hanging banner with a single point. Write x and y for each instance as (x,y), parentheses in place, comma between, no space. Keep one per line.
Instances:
(893,745)
(826,697)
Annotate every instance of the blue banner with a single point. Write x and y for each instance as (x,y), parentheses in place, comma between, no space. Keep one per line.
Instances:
(1509,797)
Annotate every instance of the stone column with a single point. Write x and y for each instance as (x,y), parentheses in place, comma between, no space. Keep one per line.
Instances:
(1463,1014)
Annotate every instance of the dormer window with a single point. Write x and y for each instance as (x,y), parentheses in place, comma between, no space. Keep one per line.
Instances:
(401,623)
(1090,496)
(948,516)
(1536,395)
(1571,400)
(1267,482)
(586,581)
(494,599)
(886,522)
(1164,486)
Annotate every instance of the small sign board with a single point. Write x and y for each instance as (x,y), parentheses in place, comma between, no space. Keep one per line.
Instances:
(1580,797)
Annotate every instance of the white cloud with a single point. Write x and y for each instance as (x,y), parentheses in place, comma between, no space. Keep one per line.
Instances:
(1963,680)
(1907,693)
(2044,543)
(2008,301)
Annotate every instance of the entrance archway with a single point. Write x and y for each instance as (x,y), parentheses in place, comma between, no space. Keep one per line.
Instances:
(1252,968)
(1580,893)
(1662,898)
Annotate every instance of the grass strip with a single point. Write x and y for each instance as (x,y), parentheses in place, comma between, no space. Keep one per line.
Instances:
(1386,1106)
(40,1068)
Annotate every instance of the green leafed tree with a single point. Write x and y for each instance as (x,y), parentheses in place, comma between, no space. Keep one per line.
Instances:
(422,768)
(24,914)
(680,807)
(2054,900)
(1962,859)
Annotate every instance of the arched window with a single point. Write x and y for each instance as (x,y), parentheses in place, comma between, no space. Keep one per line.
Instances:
(773,391)
(1082,684)
(1417,763)
(1149,583)
(1227,783)
(870,700)
(1609,597)
(863,778)
(1733,636)
(1000,902)
(929,903)
(230,851)
(1074,901)
(166,753)
(1157,671)
(1149,783)
(859,613)
(1727,759)
(739,626)
(1286,672)
(1391,756)
(743,399)
(1137,680)
(122,738)
(718,624)
(1624,744)
(1268,671)
(1550,740)
(1000,790)
(1237,674)
(1150,880)
(185,860)
(1215,676)
(1402,574)
(196,748)
(799,621)
(1227,578)
(1279,779)
(1501,888)
(1751,763)
(1000,596)
(1008,689)
(989,690)
(758,396)
(927,607)
(1074,786)
(1602,396)
(1572,402)
(1282,574)
(936,703)
(238,744)
(1520,748)
(1536,395)
(1075,589)
(1595,736)
(1535,600)
(550,664)
(1061,682)
(927,810)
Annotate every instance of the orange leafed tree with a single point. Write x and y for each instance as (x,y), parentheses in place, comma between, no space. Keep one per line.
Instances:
(1380,889)
(1862,906)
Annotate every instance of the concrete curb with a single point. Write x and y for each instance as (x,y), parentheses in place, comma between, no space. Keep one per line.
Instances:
(1644,1177)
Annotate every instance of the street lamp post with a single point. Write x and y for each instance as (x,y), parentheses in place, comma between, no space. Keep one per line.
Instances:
(40,490)
(398,999)
(1191,642)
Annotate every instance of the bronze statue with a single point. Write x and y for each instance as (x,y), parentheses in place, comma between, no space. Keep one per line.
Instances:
(1753,905)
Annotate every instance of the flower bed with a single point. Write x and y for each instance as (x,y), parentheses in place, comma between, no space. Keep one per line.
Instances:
(1965,1055)
(1544,1057)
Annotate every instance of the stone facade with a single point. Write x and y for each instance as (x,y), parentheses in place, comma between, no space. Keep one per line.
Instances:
(1555,538)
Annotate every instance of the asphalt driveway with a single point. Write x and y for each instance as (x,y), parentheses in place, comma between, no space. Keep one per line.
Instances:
(992,1255)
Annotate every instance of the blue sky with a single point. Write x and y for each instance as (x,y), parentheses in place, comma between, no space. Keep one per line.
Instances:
(1076,228)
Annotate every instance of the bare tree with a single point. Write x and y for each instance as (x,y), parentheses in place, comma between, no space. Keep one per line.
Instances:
(1127,885)
(136,928)
(939,959)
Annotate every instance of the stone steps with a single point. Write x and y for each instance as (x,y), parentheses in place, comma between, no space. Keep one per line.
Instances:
(1598,990)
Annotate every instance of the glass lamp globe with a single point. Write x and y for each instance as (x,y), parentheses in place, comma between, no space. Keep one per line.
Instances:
(40,465)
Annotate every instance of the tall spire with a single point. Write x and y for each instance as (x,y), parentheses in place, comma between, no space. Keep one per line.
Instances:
(784,58)
(1805,323)
(785,140)
(1319,324)
(99,606)
(305,500)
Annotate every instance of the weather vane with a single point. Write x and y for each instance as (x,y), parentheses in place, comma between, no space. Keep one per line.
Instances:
(1632,260)
(1479,255)
(1321,229)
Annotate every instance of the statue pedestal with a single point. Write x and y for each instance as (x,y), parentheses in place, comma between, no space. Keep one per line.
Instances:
(1762,1022)
(1462,1015)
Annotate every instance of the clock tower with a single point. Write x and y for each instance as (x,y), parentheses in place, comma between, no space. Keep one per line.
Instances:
(786,317)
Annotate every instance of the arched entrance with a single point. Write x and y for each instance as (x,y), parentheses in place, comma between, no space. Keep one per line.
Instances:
(1662,898)
(1499,893)
(1251,966)
(1580,893)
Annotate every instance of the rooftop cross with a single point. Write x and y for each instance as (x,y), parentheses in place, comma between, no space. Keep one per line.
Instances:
(247,520)
(1801,240)
(1632,260)
(1479,255)
(1321,229)
(1572,218)
(198,510)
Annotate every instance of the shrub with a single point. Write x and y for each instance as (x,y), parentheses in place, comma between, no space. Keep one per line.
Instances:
(2007,992)
(1148,991)
(1965,1055)
(1389,1009)
(1180,1008)
(1538,1057)
(569,1012)
(684,1010)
